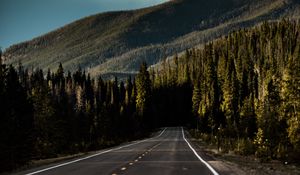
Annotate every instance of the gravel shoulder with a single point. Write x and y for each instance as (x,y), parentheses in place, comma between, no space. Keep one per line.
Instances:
(231,163)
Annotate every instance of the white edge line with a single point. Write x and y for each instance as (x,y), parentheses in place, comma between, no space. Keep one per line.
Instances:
(94,155)
(203,161)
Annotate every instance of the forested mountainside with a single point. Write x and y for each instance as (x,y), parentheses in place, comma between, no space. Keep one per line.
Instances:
(117,42)
(245,90)
(240,92)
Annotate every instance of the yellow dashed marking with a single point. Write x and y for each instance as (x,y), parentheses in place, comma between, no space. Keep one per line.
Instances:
(124,168)
(130,163)
(136,160)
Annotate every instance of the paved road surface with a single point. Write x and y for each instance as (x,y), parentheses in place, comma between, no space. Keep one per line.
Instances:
(168,153)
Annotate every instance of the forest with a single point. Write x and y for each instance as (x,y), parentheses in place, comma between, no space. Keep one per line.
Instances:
(245,90)
(240,92)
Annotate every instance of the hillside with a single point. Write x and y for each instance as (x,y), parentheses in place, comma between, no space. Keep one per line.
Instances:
(117,42)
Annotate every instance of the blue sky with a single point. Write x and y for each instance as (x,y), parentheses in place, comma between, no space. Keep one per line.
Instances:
(22,20)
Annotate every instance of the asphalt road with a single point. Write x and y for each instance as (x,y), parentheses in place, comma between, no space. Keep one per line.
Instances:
(167,153)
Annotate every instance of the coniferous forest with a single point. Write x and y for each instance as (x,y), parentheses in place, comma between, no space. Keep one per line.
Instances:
(245,90)
(240,92)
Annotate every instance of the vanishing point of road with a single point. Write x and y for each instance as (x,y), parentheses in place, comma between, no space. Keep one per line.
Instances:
(167,153)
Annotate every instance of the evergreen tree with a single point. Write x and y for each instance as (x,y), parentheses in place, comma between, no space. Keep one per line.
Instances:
(143,95)
(248,118)
(230,103)
(268,120)
(143,87)
(128,94)
(196,98)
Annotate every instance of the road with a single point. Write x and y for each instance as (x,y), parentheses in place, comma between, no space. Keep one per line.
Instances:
(167,153)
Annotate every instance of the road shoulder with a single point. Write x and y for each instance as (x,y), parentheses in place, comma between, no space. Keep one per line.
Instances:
(234,164)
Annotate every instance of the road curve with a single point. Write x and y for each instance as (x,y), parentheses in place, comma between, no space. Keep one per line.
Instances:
(168,153)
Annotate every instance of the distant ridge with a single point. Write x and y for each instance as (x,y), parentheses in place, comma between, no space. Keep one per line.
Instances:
(117,42)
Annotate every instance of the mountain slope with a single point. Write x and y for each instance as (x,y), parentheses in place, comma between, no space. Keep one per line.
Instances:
(117,42)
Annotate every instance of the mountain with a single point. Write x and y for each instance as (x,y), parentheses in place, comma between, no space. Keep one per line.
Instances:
(117,42)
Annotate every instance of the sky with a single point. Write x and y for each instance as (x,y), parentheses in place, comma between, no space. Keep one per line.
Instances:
(22,20)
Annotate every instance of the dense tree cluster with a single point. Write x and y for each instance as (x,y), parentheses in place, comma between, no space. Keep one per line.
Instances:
(61,113)
(245,89)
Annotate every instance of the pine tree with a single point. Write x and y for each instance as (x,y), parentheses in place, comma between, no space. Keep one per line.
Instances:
(128,94)
(60,73)
(196,98)
(269,120)
(143,87)
(230,90)
(248,118)
(44,112)
(143,96)
(122,93)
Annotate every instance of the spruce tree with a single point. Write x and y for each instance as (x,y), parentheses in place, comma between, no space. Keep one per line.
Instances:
(143,96)
(143,87)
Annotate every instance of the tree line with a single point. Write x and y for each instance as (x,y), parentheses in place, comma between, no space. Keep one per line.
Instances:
(58,113)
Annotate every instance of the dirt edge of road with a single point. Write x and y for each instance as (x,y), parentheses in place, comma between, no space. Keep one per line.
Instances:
(231,163)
